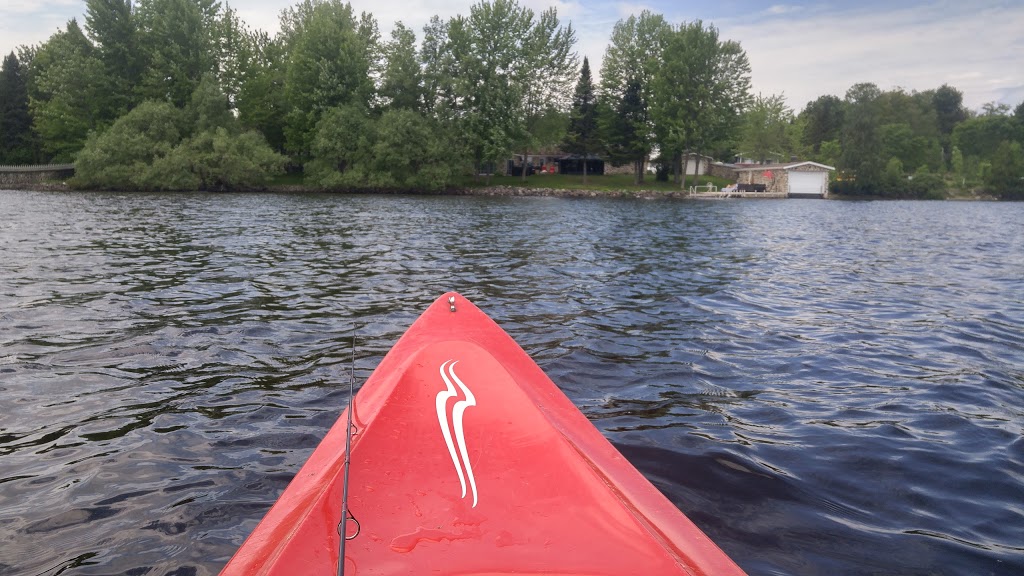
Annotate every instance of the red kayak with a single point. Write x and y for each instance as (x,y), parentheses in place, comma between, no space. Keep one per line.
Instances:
(467,459)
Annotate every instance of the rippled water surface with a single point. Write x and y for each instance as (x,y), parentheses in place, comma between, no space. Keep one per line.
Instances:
(824,387)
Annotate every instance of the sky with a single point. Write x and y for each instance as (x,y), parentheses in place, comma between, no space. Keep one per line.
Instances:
(801,50)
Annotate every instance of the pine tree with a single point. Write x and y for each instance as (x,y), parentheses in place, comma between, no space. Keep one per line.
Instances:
(15,121)
(582,135)
(628,140)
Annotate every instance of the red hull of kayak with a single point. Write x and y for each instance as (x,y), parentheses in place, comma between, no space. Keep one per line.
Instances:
(467,459)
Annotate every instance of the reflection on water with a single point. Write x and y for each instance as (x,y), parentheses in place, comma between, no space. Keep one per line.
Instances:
(823,387)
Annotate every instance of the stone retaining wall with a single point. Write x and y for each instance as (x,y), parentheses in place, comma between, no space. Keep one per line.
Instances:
(15,176)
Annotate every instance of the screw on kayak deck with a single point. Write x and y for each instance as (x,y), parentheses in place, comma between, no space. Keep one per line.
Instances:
(451,302)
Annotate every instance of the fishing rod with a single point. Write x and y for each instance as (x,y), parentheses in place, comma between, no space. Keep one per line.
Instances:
(345,514)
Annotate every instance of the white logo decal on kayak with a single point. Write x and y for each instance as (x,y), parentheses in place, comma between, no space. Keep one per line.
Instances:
(461,458)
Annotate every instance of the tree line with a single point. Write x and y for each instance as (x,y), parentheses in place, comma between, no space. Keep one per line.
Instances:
(161,94)
(895,143)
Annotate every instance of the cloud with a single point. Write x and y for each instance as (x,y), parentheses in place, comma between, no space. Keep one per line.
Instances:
(973,48)
(780,9)
(804,48)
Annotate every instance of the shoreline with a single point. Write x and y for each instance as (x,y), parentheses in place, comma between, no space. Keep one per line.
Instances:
(497,191)
(494,191)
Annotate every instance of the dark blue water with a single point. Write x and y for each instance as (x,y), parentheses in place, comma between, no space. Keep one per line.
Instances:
(823,387)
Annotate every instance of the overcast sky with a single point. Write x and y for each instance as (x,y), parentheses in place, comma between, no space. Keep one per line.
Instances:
(800,49)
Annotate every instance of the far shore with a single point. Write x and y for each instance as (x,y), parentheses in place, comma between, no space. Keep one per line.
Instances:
(502,190)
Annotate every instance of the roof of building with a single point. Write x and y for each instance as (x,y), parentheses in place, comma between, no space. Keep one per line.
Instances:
(786,166)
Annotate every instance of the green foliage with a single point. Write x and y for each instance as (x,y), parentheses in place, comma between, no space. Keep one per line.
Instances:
(113,28)
(408,154)
(153,148)
(68,92)
(401,150)
(15,121)
(949,108)
(926,185)
(763,134)
(344,137)
(401,84)
(497,55)
(824,119)
(122,157)
(237,53)
(898,140)
(981,136)
(631,62)
(626,131)
(633,55)
(829,153)
(1007,175)
(582,137)
(893,179)
(330,54)
(216,160)
(364,113)
(700,89)
(177,42)
(208,108)
(261,100)
(860,139)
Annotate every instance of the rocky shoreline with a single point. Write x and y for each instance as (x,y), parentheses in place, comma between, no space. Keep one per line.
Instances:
(493,191)
(508,191)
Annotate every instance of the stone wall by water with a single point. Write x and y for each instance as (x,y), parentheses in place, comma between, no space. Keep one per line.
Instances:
(15,176)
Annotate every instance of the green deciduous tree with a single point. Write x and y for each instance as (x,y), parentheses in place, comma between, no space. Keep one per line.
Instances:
(237,53)
(898,140)
(631,60)
(158,146)
(215,159)
(401,85)
(949,111)
(15,121)
(68,92)
(261,102)
(113,28)
(823,122)
(496,75)
(341,147)
(122,157)
(982,135)
(1007,175)
(409,153)
(208,108)
(330,55)
(763,135)
(178,40)
(402,149)
(545,75)
(701,88)
(861,139)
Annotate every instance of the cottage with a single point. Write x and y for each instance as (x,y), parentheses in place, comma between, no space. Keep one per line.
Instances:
(795,179)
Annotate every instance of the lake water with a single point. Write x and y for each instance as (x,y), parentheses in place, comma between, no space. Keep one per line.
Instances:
(823,387)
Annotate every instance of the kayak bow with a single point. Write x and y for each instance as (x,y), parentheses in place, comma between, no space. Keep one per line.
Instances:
(467,459)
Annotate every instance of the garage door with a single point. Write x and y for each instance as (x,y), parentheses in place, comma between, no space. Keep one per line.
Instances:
(807,183)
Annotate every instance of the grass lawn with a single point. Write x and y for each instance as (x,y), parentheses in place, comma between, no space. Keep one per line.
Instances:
(610,182)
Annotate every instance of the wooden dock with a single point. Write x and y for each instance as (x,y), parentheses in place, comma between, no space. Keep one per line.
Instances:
(723,194)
